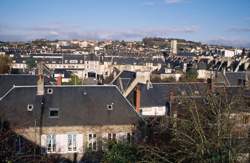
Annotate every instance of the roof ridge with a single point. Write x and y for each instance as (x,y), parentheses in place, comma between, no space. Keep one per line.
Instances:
(64,86)
(180,83)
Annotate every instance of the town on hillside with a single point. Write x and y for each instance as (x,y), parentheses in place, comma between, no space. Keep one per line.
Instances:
(155,100)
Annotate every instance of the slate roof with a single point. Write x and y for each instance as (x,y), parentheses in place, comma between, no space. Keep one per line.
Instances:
(92,57)
(7,81)
(234,77)
(78,106)
(159,94)
(231,77)
(125,78)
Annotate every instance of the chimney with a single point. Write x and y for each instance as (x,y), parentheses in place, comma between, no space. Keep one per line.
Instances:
(138,99)
(59,80)
(40,82)
(40,85)
(210,85)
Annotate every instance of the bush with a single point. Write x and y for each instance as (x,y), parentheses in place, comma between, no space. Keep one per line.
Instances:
(120,153)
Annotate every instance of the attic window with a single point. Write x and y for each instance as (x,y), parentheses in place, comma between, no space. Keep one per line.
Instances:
(30,107)
(50,91)
(110,107)
(53,112)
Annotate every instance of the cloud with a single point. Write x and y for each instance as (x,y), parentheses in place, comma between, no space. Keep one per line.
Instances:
(234,42)
(173,1)
(247,18)
(239,29)
(75,32)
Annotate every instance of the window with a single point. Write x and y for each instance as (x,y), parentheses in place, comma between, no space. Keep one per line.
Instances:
(92,142)
(112,136)
(72,143)
(245,119)
(53,113)
(51,143)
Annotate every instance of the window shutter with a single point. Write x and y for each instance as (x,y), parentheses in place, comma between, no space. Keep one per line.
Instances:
(104,141)
(61,143)
(79,143)
(43,141)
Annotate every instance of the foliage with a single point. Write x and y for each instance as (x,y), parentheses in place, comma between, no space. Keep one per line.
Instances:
(149,42)
(5,63)
(31,63)
(204,134)
(203,131)
(74,80)
(191,75)
(120,153)
(169,79)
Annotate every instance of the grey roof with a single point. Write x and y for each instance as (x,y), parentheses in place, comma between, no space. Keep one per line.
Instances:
(7,81)
(136,61)
(124,79)
(159,94)
(78,105)
(234,77)
(202,65)
(92,57)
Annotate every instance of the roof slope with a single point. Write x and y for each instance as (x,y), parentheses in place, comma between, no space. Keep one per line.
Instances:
(7,81)
(158,94)
(81,105)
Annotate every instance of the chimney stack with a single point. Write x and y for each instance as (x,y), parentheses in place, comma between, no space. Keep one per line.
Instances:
(138,99)
(59,80)
(40,82)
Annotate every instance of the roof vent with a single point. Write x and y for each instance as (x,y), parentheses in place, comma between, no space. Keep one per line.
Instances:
(84,93)
(50,91)
(110,107)
(30,107)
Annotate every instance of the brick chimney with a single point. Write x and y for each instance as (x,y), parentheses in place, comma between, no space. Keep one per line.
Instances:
(138,99)
(59,80)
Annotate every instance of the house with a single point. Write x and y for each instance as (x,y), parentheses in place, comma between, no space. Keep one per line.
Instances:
(69,120)
(153,99)
(166,72)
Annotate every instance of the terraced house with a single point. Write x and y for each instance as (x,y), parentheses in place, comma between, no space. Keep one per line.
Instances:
(68,120)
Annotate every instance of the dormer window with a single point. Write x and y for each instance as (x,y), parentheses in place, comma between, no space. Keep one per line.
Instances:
(50,91)
(54,113)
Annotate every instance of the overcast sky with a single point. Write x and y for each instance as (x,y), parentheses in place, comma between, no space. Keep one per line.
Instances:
(212,21)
